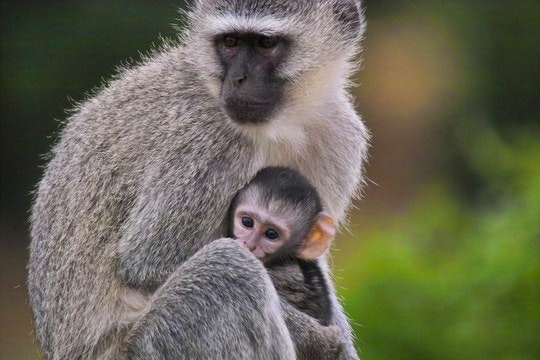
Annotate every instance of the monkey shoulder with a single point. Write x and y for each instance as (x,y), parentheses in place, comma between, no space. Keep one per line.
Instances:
(148,139)
(346,124)
(150,115)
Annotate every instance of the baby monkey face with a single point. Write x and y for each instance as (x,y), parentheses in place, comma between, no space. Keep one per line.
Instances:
(260,231)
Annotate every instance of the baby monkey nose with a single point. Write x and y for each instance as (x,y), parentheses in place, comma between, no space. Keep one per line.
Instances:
(247,243)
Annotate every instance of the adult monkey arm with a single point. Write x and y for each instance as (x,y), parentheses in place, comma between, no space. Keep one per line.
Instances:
(143,174)
(187,320)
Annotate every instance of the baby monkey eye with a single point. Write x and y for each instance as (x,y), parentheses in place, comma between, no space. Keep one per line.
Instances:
(230,41)
(247,221)
(267,42)
(271,234)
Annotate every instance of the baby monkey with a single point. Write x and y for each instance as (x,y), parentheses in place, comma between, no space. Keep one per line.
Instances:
(278,216)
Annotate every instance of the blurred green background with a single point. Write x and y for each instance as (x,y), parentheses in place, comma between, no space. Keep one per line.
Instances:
(442,256)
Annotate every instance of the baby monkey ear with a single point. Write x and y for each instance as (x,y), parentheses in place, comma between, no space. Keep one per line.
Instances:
(319,238)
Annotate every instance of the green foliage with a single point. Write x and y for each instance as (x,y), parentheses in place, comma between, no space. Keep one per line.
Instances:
(451,281)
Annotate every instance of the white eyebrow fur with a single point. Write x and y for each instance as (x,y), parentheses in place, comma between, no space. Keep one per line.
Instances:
(265,25)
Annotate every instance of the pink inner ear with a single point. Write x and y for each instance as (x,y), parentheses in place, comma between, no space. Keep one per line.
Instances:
(328,225)
(320,238)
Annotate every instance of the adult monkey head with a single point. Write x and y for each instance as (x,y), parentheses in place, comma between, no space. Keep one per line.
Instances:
(124,261)
(272,64)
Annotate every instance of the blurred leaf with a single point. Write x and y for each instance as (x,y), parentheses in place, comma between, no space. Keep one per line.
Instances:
(447,281)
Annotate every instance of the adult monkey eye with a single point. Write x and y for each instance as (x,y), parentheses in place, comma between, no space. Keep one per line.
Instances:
(230,41)
(268,42)
(271,234)
(247,221)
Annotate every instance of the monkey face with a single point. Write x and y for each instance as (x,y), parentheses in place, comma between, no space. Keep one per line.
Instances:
(261,233)
(251,91)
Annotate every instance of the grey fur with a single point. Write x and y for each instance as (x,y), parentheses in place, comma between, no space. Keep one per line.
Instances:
(306,291)
(124,261)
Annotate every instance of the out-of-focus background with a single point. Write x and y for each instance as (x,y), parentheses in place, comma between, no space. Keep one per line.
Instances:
(442,257)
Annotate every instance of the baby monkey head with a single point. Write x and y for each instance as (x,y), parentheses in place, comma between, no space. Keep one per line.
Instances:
(279,215)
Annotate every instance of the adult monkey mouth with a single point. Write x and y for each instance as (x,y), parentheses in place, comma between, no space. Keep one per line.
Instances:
(249,112)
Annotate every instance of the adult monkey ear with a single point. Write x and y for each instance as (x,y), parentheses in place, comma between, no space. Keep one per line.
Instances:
(319,238)
(351,17)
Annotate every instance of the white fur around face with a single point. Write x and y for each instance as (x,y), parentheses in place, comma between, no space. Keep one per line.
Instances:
(305,104)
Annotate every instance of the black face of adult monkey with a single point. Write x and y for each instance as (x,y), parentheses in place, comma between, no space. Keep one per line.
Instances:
(124,261)
(251,89)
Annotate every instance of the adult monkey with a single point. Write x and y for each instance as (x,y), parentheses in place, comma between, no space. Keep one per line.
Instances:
(124,261)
